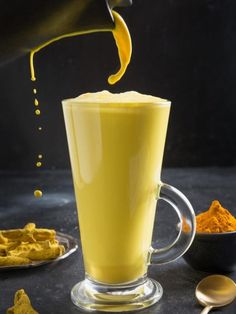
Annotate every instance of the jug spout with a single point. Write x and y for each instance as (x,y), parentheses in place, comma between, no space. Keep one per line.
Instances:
(96,15)
(27,24)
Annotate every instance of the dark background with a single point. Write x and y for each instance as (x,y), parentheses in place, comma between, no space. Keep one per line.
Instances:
(183,50)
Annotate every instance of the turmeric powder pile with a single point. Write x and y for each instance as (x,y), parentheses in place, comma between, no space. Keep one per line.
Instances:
(23,246)
(216,220)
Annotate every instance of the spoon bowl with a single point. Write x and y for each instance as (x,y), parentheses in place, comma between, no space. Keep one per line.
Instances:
(215,291)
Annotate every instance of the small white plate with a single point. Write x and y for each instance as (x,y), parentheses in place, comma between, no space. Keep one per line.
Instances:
(69,243)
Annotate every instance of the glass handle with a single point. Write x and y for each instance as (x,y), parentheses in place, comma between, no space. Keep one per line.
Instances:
(187,226)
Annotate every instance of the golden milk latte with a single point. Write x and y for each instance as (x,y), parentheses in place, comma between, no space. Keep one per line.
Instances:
(116,144)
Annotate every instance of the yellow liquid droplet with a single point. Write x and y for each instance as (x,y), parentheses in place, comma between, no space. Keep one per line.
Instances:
(36,102)
(35,91)
(37,112)
(122,39)
(38,164)
(38,193)
(40,156)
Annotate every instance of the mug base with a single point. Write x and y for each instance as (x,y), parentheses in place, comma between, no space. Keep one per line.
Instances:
(92,296)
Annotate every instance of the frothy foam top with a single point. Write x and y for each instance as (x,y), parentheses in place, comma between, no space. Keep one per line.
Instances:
(126,97)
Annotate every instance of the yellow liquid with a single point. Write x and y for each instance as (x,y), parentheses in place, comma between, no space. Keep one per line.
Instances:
(116,152)
(38,193)
(123,42)
(122,39)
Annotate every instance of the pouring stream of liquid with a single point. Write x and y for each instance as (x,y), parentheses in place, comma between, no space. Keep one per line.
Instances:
(123,42)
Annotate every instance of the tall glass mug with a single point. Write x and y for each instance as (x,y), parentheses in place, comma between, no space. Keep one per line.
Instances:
(116,144)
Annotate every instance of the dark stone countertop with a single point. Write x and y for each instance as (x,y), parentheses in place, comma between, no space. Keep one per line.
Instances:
(49,286)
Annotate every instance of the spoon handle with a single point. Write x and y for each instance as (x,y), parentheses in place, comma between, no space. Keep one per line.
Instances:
(206,309)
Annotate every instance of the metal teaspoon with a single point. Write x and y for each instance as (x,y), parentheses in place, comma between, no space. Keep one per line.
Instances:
(215,291)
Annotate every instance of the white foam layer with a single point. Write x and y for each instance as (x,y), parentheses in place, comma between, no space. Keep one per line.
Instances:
(126,97)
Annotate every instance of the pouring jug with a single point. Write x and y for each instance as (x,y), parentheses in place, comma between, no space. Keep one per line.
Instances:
(27,24)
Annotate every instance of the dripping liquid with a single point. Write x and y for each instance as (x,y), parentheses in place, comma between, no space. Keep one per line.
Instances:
(124,46)
(37,192)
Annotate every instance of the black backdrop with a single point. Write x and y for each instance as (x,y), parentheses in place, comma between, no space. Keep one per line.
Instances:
(183,50)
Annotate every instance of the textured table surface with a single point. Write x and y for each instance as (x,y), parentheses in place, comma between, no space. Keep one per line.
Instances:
(49,286)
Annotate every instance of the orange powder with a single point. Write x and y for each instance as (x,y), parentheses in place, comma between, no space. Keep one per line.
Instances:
(216,219)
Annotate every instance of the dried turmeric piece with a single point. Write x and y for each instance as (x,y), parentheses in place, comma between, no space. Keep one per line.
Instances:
(4,248)
(38,251)
(22,304)
(29,234)
(3,240)
(23,246)
(14,260)
(30,226)
(44,234)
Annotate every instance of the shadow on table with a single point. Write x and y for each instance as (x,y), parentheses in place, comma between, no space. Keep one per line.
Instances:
(179,282)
